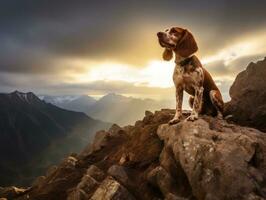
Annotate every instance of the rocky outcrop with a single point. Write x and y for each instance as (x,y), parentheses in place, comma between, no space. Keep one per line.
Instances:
(11,192)
(206,159)
(248,97)
(220,161)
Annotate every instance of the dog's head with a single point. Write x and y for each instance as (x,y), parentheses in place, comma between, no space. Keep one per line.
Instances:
(179,40)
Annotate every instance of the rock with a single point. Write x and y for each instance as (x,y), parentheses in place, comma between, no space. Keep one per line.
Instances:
(128,128)
(96,173)
(253,197)
(119,173)
(138,123)
(115,130)
(167,161)
(163,116)
(124,158)
(100,140)
(73,154)
(161,178)
(218,169)
(148,113)
(11,192)
(111,189)
(174,168)
(248,97)
(148,116)
(171,196)
(83,189)
(51,170)
(86,151)
(88,184)
(38,181)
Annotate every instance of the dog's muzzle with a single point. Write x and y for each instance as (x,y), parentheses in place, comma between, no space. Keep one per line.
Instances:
(161,36)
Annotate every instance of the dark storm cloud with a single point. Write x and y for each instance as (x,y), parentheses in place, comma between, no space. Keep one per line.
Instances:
(104,29)
(34,34)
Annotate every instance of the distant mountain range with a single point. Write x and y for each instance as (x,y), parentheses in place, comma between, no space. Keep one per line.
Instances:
(33,132)
(112,107)
(76,103)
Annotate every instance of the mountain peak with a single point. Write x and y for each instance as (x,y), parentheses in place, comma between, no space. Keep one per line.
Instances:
(25,97)
(113,97)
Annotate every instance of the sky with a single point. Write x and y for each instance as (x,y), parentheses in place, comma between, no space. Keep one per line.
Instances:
(63,47)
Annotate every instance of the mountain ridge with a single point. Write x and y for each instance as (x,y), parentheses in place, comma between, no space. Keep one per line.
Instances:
(28,126)
(112,107)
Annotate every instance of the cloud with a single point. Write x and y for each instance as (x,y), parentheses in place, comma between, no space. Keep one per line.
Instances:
(120,30)
(42,85)
(75,46)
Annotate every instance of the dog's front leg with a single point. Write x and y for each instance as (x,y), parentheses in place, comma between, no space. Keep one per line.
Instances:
(179,100)
(197,104)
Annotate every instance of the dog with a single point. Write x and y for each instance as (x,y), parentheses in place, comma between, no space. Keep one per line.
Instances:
(189,75)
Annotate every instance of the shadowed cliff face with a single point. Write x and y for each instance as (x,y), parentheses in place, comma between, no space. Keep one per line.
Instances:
(248,93)
(206,159)
(35,135)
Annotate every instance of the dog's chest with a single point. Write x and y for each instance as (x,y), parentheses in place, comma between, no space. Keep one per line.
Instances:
(187,76)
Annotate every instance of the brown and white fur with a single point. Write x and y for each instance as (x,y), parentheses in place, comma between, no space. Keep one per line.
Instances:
(189,75)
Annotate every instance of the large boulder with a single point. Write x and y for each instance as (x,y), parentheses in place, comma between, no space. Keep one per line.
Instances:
(110,189)
(119,173)
(220,160)
(248,97)
(89,182)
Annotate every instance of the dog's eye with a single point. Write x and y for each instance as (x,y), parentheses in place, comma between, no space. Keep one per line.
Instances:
(173,31)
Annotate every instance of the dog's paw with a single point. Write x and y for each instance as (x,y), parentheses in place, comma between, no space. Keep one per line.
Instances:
(192,118)
(175,120)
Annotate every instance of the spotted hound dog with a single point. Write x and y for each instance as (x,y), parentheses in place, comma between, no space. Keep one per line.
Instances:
(189,75)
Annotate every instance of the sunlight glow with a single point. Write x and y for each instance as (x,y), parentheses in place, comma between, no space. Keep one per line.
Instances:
(155,74)
(158,73)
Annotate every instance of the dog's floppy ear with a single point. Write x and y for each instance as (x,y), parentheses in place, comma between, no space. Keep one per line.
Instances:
(186,45)
(167,54)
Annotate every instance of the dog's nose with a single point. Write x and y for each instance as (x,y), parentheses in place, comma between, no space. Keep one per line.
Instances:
(160,34)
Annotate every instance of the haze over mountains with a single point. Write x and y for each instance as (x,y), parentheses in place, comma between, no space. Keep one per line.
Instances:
(112,107)
(36,133)
(80,103)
